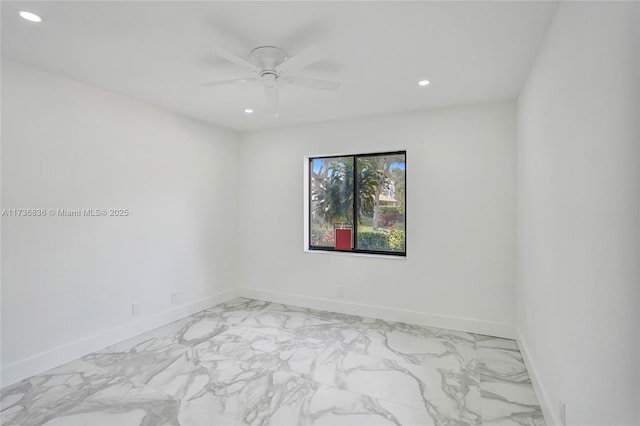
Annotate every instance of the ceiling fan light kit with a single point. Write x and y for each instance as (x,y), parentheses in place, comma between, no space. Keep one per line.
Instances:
(272,65)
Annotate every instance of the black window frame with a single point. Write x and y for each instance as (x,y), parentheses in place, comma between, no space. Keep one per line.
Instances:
(355,205)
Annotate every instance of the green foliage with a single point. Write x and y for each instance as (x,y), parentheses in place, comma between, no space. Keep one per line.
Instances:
(365,222)
(369,178)
(382,164)
(397,240)
(391,215)
(378,241)
(334,193)
(332,199)
(390,210)
(398,176)
(325,238)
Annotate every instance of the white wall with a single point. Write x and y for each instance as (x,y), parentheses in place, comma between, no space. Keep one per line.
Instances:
(68,282)
(579,215)
(460,267)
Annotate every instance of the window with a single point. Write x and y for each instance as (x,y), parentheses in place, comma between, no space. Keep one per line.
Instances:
(374,220)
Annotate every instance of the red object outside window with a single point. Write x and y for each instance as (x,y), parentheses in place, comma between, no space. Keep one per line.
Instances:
(343,239)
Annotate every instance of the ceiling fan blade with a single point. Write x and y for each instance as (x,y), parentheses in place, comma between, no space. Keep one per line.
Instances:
(234,59)
(312,83)
(223,82)
(271,92)
(301,60)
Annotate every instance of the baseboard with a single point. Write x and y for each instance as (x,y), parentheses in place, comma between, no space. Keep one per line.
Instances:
(469,325)
(52,358)
(550,417)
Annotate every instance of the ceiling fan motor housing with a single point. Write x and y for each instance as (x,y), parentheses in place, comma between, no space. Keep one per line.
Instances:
(267,58)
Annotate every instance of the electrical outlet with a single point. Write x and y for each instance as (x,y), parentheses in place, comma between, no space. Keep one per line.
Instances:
(174,297)
(135,309)
(563,413)
(340,291)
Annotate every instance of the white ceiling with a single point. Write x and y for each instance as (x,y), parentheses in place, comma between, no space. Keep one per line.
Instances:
(159,52)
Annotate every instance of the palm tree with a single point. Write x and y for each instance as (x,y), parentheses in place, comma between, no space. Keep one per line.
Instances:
(333,186)
(332,193)
(382,164)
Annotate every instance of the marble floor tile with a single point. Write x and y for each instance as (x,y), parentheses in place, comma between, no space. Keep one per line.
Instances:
(200,328)
(500,360)
(501,364)
(249,362)
(330,406)
(161,337)
(260,393)
(290,317)
(444,394)
(139,363)
(495,342)
(234,312)
(419,330)
(126,404)
(449,397)
(277,340)
(400,345)
(507,403)
(122,404)
(507,394)
(40,398)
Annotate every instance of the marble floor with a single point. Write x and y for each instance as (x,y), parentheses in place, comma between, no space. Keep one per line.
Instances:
(249,362)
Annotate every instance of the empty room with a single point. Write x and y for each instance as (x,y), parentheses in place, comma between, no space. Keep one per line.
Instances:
(320,213)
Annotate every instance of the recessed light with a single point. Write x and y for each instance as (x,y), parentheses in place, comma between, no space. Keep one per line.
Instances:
(424,83)
(29,16)
(248,111)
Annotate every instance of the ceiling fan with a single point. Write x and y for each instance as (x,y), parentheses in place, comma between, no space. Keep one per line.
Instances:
(272,66)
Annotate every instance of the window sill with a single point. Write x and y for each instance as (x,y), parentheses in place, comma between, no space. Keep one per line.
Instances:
(356,254)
